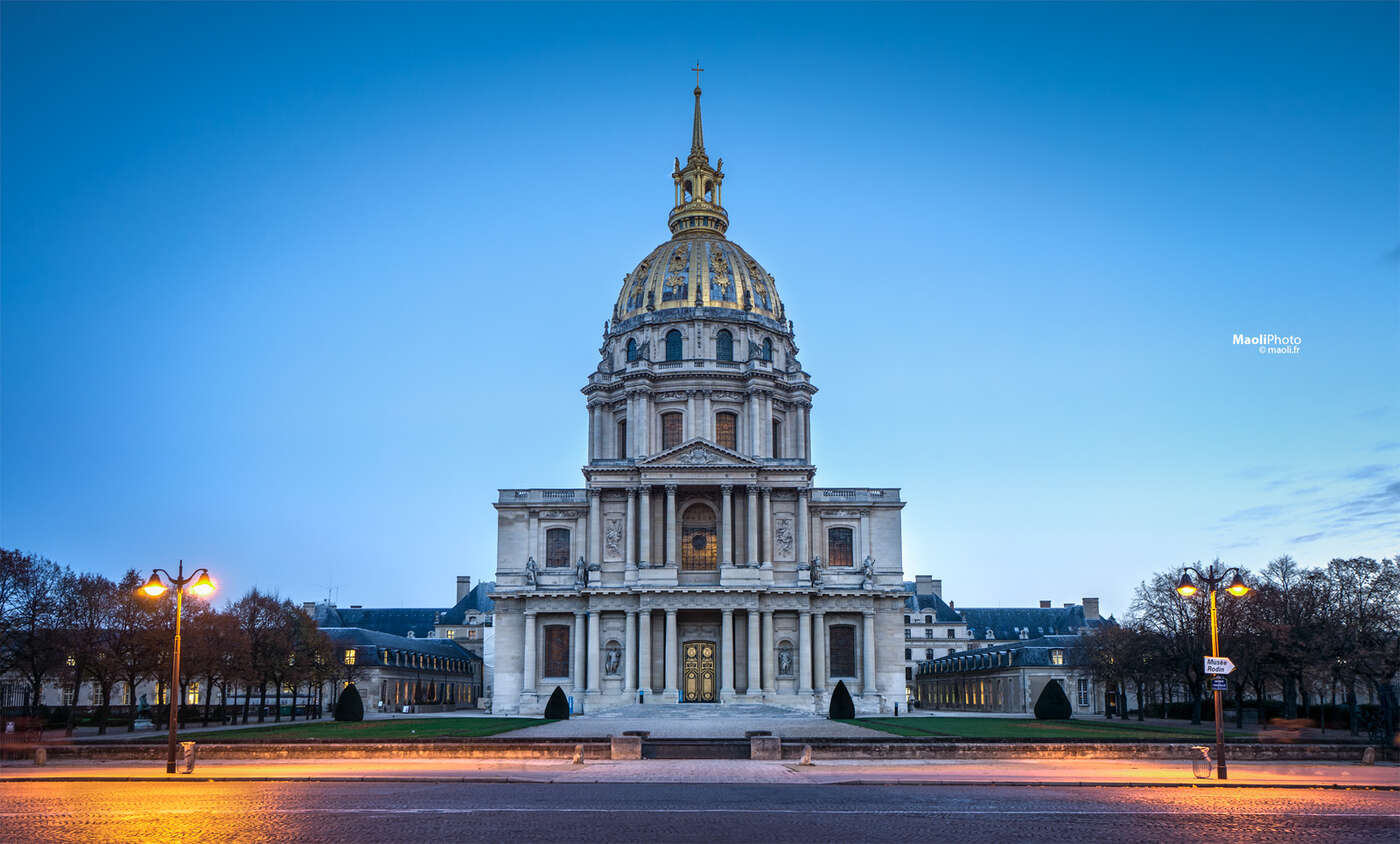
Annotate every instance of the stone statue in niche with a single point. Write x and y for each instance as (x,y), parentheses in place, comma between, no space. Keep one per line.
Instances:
(580,574)
(817,571)
(532,571)
(612,659)
(867,568)
(785,659)
(783,536)
(612,538)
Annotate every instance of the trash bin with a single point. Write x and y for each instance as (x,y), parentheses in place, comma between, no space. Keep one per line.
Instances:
(187,754)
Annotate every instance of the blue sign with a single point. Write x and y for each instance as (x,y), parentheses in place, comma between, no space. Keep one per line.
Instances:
(1217,684)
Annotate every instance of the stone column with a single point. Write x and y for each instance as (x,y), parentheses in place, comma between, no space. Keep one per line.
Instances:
(644,653)
(692,421)
(644,528)
(754,650)
(819,651)
(868,684)
(726,654)
(769,674)
(595,526)
(629,655)
(726,525)
(804,528)
(804,653)
(595,647)
(592,432)
(580,640)
(672,647)
(528,677)
(707,418)
(631,527)
(751,493)
(672,529)
(765,544)
(755,429)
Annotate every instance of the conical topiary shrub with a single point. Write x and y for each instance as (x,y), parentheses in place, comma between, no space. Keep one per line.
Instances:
(1052,705)
(841,704)
(350,707)
(558,707)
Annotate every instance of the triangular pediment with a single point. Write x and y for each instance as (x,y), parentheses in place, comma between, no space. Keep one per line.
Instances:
(698,453)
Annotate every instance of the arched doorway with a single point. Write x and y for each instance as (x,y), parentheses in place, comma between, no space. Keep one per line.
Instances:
(699,540)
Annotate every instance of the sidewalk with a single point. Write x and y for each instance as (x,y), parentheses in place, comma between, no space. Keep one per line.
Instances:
(1074,772)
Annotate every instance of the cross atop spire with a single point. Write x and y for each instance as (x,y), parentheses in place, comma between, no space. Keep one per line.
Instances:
(698,69)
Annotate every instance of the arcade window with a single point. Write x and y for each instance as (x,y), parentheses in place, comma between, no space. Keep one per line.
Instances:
(556,548)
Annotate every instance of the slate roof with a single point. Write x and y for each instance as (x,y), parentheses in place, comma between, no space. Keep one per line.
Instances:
(397,621)
(1008,622)
(922,604)
(1034,652)
(369,643)
(478,600)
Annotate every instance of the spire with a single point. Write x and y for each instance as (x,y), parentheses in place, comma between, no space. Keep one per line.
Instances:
(697,210)
(697,134)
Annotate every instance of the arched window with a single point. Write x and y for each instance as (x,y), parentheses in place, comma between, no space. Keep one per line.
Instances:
(724,346)
(556,548)
(726,430)
(839,547)
(673,345)
(631,348)
(768,349)
(670,430)
(622,438)
(699,543)
(777,438)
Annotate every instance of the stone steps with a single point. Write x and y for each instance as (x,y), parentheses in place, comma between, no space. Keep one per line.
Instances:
(691,711)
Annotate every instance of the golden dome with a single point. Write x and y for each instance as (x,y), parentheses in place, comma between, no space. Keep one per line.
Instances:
(698,271)
(698,267)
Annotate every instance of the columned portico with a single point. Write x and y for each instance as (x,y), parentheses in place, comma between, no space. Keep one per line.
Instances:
(726,654)
(754,687)
(672,648)
(726,525)
(644,653)
(752,525)
(671,529)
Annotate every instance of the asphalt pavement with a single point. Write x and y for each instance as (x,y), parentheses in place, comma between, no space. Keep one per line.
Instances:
(807,812)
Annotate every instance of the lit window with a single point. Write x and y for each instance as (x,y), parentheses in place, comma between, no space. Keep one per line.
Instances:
(839,546)
(349,656)
(451,632)
(68,694)
(1083,691)
(670,430)
(726,428)
(1057,656)
(556,548)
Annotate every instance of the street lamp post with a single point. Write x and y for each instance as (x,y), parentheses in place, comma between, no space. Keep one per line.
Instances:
(202,587)
(1212,579)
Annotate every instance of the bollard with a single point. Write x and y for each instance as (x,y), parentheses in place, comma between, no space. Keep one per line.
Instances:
(41,756)
(578,754)
(187,754)
(806,755)
(626,747)
(766,748)
(1368,756)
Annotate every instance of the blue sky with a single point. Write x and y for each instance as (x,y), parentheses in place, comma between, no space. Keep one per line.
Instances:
(290,290)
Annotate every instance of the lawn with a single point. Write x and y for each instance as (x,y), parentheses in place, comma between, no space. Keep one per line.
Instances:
(397,729)
(1033,730)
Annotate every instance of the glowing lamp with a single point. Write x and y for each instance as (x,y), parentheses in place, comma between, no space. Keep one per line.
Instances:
(203,587)
(154,587)
(1184,587)
(1237,587)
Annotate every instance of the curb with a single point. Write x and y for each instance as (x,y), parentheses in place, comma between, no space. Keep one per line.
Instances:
(848,782)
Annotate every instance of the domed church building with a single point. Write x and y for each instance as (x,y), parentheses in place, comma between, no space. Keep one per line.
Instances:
(698,564)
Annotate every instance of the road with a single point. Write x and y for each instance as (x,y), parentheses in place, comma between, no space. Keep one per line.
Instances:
(678,812)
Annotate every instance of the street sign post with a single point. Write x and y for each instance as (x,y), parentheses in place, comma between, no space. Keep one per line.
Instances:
(1219,665)
(1217,683)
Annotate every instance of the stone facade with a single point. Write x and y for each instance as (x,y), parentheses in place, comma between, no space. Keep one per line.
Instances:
(698,563)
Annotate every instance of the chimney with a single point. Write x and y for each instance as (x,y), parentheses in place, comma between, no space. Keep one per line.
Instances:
(1091,609)
(1045,605)
(464,585)
(950,605)
(923,584)
(938,588)
(309,606)
(1067,606)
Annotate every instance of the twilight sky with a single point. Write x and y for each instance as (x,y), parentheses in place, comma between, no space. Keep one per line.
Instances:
(290,290)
